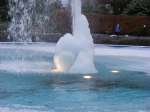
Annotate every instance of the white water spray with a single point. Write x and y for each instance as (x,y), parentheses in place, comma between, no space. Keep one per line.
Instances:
(29,18)
(75,52)
(21,12)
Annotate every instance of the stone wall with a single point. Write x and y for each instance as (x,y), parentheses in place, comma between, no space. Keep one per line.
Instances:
(136,25)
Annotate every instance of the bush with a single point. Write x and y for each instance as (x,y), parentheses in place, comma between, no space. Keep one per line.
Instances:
(138,7)
(102,9)
(119,6)
(4,10)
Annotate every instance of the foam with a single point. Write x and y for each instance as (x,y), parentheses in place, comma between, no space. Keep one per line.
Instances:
(100,49)
(25,66)
(22,108)
(41,47)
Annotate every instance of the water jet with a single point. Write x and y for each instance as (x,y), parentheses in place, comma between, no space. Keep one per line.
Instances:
(75,52)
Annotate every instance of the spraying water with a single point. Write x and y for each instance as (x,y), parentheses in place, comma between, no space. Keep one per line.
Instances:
(75,52)
(29,17)
(21,12)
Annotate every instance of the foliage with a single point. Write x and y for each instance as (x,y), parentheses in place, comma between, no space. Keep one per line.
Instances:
(102,9)
(119,6)
(138,7)
(4,10)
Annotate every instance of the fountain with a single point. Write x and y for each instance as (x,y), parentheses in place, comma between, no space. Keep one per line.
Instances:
(28,15)
(122,83)
(29,18)
(75,52)
(21,24)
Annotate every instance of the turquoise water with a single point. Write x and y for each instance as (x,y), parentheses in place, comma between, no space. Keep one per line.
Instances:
(27,85)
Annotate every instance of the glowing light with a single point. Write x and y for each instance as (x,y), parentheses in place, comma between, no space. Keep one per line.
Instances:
(87,77)
(115,71)
(58,67)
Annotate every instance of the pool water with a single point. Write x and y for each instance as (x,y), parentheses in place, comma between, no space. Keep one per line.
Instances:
(27,85)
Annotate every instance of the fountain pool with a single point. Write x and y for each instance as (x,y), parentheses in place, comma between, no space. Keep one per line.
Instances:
(122,83)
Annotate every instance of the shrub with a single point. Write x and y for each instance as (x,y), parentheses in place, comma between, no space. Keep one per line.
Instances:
(119,6)
(102,9)
(138,7)
(4,10)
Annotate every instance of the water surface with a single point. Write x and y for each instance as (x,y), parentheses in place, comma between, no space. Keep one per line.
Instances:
(27,85)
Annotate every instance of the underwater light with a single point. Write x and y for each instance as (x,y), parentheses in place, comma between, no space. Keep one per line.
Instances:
(115,71)
(87,77)
(57,67)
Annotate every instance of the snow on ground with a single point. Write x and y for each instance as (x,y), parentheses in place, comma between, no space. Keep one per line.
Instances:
(138,57)
(100,49)
(115,50)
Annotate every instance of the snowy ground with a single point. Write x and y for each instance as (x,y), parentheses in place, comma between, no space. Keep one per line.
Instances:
(138,57)
(100,49)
